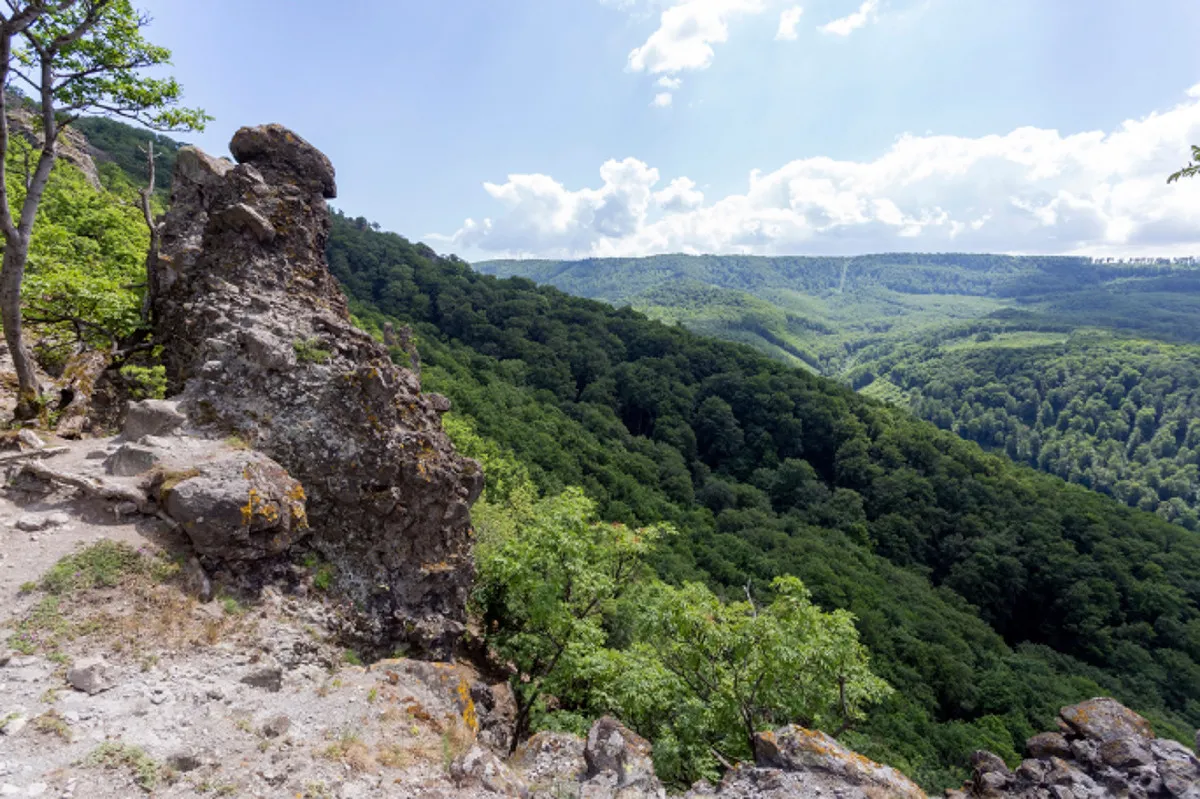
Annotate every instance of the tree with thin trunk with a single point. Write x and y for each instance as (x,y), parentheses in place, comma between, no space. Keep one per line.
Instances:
(73,57)
(155,226)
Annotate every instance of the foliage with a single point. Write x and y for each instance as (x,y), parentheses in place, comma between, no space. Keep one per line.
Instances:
(145,382)
(86,260)
(116,755)
(707,675)
(548,573)
(311,351)
(124,148)
(1192,168)
(1114,415)
(556,593)
(101,565)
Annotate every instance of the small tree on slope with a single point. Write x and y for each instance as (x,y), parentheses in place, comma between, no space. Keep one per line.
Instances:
(74,57)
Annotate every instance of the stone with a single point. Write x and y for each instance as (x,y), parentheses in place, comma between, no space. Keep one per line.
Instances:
(614,749)
(258,343)
(92,676)
(185,761)
(551,763)
(239,506)
(824,763)
(58,519)
(1048,744)
(280,155)
(269,678)
(243,217)
(1104,719)
(195,580)
(984,762)
(479,766)
(1104,750)
(1125,752)
(131,460)
(276,726)
(151,418)
(30,523)
(28,440)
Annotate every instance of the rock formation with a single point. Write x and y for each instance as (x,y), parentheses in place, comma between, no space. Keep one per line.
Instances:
(794,762)
(259,345)
(1102,749)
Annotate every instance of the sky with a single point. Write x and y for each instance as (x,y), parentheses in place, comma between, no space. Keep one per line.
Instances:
(587,128)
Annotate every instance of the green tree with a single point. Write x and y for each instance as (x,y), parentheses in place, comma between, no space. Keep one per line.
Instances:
(707,675)
(75,57)
(548,574)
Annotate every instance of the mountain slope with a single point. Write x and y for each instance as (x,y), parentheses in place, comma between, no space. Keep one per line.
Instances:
(772,471)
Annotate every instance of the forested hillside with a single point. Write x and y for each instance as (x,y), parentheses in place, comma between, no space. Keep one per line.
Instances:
(967,342)
(988,593)
(1118,416)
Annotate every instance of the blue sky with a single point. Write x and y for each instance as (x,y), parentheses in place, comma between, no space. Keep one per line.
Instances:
(622,127)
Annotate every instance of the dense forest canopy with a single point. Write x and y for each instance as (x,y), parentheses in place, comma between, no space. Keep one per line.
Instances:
(1015,353)
(988,593)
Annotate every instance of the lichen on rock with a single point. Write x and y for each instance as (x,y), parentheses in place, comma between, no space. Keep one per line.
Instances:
(244,303)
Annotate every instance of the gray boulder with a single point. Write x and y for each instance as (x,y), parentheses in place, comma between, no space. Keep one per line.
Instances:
(151,418)
(242,506)
(92,676)
(478,766)
(131,460)
(1103,750)
(618,764)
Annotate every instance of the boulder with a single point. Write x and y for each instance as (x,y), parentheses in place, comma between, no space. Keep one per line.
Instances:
(551,764)
(276,726)
(618,763)
(1104,719)
(1048,744)
(92,676)
(813,763)
(1104,749)
(259,344)
(151,418)
(281,156)
(242,506)
(131,460)
(479,766)
(269,677)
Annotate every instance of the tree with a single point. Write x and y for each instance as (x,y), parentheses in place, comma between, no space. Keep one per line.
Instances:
(743,668)
(75,57)
(548,573)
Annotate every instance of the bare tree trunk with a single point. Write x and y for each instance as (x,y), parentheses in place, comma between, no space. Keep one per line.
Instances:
(155,238)
(16,252)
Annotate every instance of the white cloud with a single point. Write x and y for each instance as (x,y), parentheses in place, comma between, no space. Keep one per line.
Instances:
(662,100)
(1030,190)
(789,20)
(669,83)
(680,195)
(686,34)
(848,24)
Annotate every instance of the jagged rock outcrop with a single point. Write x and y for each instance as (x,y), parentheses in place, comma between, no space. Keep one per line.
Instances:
(1102,749)
(259,344)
